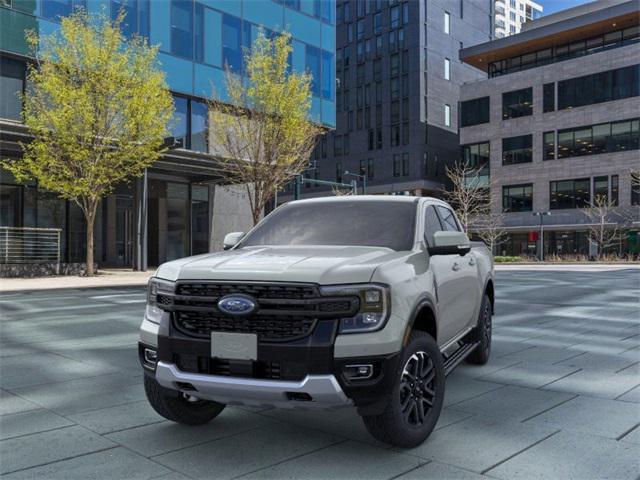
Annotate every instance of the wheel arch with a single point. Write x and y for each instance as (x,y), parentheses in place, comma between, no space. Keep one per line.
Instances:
(490,291)
(423,318)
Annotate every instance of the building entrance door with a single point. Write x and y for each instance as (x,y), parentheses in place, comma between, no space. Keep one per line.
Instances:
(124,231)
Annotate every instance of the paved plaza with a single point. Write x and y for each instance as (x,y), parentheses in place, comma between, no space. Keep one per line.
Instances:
(559,399)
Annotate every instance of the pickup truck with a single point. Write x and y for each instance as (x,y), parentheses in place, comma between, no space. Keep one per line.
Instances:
(365,301)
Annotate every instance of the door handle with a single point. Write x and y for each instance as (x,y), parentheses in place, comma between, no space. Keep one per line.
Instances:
(472,261)
(455,267)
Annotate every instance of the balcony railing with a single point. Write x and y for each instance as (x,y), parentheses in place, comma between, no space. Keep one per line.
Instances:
(30,245)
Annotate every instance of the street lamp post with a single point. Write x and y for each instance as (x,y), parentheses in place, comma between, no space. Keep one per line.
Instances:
(541,215)
(362,177)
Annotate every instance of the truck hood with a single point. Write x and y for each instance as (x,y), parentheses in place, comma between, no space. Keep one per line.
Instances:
(324,265)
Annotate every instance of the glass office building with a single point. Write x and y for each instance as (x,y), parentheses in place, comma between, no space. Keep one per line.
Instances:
(166,214)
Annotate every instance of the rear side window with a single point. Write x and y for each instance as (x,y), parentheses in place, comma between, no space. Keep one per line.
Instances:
(431,225)
(449,222)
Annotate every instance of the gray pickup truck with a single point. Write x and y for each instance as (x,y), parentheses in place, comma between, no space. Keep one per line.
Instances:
(365,301)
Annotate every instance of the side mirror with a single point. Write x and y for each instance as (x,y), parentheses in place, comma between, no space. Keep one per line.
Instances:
(232,239)
(450,243)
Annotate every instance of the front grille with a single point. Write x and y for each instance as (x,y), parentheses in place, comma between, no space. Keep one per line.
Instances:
(270,328)
(284,311)
(218,366)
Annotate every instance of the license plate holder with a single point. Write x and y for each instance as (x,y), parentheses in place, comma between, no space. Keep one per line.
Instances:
(234,346)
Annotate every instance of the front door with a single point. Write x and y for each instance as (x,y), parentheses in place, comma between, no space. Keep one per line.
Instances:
(124,231)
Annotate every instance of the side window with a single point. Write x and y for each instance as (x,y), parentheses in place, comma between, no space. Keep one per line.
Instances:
(449,222)
(431,224)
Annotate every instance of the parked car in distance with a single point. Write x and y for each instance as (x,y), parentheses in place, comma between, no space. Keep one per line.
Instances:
(365,301)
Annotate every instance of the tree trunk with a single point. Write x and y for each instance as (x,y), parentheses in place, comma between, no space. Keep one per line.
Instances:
(90,223)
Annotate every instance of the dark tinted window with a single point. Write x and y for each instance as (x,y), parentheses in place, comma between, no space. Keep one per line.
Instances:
(549,97)
(570,193)
(599,87)
(448,219)
(516,149)
(517,198)
(12,73)
(365,223)
(474,112)
(518,103)
(431,224)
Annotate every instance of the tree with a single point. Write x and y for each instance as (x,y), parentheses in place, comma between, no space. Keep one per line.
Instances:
(261,131)
(605,222)
(490,228)
(98,108)
(469,194)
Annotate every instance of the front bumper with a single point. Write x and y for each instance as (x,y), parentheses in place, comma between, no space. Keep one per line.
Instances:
(301,373)
(314,391)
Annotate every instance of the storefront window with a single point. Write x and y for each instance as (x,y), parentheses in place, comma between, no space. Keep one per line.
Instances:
(199,219)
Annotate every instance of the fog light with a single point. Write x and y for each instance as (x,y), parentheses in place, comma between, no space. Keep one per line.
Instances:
(150,356)
(358,372)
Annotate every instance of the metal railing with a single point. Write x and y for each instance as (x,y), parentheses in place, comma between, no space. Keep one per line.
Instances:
(30,245)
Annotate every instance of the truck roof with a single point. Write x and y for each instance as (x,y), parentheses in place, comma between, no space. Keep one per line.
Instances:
(360,198)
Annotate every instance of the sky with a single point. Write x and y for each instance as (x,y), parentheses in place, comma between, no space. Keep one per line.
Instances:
(553,6)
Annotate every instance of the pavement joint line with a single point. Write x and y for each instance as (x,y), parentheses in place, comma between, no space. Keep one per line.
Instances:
(550,408)
(211,440)
(59,460)
(121,429)
(634,347)
(469,416)
(39,431)
(558,379)
(628,366)
(516,351)
(420,465)
(630,336)
(501,386)
(621,437)
(295,457)
(12,389)
(519,452)
(570,358)
(627,391)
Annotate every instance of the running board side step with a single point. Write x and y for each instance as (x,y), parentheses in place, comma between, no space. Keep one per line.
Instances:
(453,360)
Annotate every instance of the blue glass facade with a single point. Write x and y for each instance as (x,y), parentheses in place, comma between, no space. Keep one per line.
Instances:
(198,38)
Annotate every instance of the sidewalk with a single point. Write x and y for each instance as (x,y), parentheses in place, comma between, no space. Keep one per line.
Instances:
(105,278)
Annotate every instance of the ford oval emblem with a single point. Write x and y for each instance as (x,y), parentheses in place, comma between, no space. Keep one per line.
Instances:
(236,305)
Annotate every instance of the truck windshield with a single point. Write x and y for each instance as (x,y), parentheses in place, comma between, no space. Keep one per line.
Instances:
(364,223)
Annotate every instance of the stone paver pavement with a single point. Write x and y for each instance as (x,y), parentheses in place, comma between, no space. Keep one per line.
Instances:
(560,397)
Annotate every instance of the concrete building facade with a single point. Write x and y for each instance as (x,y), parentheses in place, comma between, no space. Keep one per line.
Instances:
(557,123)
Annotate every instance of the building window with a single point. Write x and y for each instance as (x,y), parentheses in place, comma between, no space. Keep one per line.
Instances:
(635,188)
(394,65)
(474,112)
(477,156)
(405,133)
(394,17)
(312,62)
(518,103)
(339,172)
(601,188)
(182,28)
(328,75)
(447,69)
(602,138)
(231,42)
(405,13)
(337,145)
(447,115)
(12,80)
(549,97)
(136,20)
(517,198)
(549,145)
(569,194)
(395,135)
(378,138)
(397,166)
(198,132)
(405,164)
(599,87)
(55,9)
(377,23)
(345,144)
(180,122)
(371,140)
(447,23)
(517,150)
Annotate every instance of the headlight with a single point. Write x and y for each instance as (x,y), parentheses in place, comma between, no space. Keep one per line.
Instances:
(156,288)
(374,306)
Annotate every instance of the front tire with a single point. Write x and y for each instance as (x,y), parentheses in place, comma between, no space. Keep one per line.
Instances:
(180,408)
(481,354)
(416,401)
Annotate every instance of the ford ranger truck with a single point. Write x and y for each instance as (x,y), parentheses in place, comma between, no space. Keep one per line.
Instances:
(365,301)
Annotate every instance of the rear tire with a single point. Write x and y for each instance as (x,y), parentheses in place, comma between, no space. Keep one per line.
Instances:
(416,401)
(180,408)
(481,354)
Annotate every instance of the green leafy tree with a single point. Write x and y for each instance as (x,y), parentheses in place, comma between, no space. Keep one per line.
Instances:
(98,108)
(261,132)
